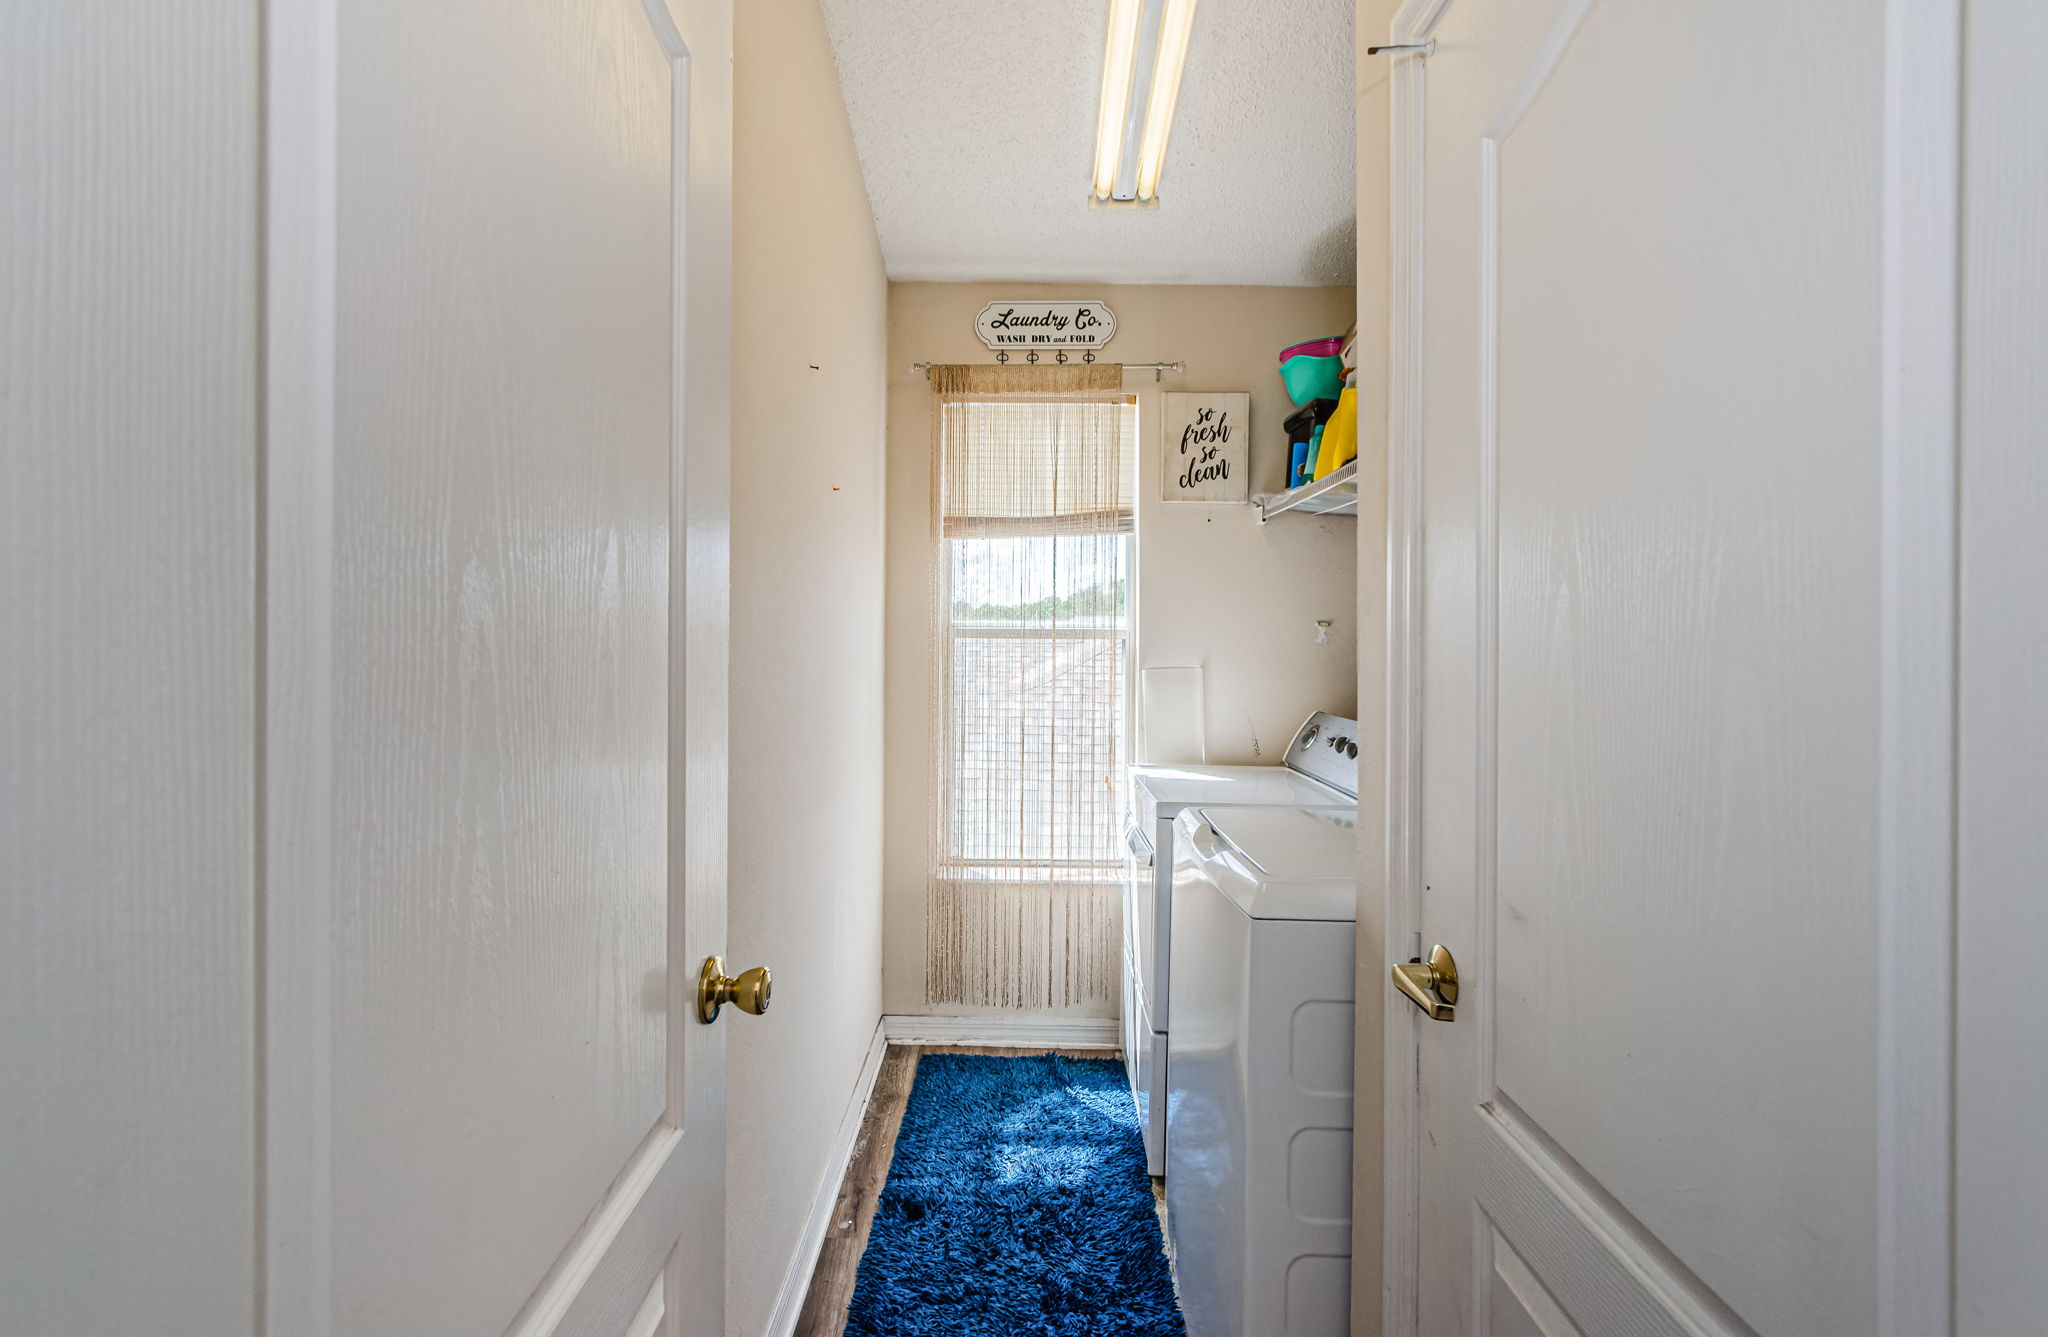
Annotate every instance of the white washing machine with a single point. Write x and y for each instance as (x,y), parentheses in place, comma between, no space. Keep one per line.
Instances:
(1320,766)
(1258,1093)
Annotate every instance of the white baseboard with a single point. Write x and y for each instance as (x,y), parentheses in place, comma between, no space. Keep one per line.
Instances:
(1008,1032)
(796,1282)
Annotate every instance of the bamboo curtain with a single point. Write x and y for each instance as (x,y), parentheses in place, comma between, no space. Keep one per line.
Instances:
(1032,523)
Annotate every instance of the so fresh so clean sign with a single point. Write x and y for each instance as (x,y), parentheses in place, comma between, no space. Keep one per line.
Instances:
(1045,324)
(1206,445)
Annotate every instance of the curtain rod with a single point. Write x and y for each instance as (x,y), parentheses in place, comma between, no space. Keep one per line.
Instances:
(1154,367)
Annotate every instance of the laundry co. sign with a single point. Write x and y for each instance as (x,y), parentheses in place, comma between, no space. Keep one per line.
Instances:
(1045,325)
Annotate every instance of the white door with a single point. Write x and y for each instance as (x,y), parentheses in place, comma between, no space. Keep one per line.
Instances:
(523,609)
(1674,503)
(2001,1188)
(128,640)
(363,700)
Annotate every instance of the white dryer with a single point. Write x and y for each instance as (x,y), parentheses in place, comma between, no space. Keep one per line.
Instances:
(1320,766)
(1258,1124)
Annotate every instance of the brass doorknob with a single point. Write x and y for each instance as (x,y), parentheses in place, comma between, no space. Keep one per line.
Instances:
(1431,985)
(749,992)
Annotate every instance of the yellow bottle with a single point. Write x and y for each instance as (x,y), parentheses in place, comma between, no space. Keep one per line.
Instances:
(1340,434)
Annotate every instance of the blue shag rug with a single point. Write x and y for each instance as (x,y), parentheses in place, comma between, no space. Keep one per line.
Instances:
(1017,1205)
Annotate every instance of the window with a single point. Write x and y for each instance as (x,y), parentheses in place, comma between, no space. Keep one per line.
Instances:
(1040,643)
(1034,529)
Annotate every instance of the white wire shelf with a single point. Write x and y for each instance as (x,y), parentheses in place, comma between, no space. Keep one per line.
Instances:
(1336,493)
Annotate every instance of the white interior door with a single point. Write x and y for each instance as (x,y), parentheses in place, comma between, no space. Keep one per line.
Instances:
(1675,494)
(496,740)
(2001,1189)
(128,635)
(364,404)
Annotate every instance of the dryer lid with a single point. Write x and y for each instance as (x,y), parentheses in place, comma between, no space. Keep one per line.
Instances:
(1280,862)
(1159,793)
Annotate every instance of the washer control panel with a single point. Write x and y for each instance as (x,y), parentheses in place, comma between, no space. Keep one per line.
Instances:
(1326,748)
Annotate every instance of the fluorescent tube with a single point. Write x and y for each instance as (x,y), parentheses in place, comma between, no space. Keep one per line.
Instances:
(1174,31)
(1119,60)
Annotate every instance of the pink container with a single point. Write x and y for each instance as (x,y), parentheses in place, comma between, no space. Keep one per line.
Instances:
(1315,348)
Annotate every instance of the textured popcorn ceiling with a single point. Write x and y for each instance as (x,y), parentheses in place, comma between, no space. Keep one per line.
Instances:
(975,121)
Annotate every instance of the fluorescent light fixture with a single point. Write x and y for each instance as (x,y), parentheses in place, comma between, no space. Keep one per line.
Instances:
(1142,62)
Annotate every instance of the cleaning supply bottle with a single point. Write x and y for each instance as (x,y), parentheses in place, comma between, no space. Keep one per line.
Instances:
(1340,435)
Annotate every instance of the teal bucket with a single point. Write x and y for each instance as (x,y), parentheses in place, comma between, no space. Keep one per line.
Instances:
(1310,378)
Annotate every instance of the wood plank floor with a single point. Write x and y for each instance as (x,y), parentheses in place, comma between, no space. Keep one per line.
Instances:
(831,1292)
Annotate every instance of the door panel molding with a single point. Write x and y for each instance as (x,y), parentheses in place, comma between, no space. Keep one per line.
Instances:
(1618,1277)
(295,675)
(653,1310)
(699,34)
(544,1312)
(1505,1270)
(1486,764)
(1919,631)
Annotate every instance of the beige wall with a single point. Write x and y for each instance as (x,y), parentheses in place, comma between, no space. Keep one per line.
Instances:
(1215,588)
(807,550)
(1375,269)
